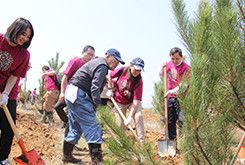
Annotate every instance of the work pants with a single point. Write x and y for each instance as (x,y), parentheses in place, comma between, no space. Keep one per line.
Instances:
(82,119)
(50,98)
(138,119)
(6,136)
(59,107)
(174,113)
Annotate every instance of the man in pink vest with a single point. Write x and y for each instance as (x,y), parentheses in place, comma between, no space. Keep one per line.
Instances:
(177,72)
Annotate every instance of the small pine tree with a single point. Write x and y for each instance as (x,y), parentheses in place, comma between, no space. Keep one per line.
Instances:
(123,149)
(215,96)
(158,99)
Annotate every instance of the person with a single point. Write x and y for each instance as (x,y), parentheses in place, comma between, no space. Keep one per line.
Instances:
(28,99)
(177,72)
(82,98)
(73,65)
(34,95)
(128,95)
(14,59)
(50,96)
(20,97)
(104,96)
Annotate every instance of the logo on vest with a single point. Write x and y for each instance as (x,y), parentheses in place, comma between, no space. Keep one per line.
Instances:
(5,60)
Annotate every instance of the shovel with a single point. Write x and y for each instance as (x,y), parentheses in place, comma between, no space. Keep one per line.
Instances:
(124,118)
(42,95)
(238,149)
(27,158)
(41,110)
(166,147)
(20,97)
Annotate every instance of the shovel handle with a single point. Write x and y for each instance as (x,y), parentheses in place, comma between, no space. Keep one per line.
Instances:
(166,102)
(123,117)
(42,91)
(11,122)
(238,149)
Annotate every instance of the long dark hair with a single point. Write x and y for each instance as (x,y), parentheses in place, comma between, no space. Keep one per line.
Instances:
(18,27)
(129,74)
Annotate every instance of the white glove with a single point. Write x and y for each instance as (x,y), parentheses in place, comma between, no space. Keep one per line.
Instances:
(127,121)
(4,99)
(109,93)
(174,91)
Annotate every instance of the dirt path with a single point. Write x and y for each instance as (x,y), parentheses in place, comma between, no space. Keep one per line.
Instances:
(48,140)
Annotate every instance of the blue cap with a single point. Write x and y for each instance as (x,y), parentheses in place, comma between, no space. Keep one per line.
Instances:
(116,54)
(138,64)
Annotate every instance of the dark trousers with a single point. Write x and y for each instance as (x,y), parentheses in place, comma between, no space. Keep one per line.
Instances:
(173,112)
(6,137)
(104,101)
(59,107)
(33,100)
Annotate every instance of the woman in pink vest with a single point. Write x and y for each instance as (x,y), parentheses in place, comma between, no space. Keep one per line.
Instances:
(128,95)
(14,59)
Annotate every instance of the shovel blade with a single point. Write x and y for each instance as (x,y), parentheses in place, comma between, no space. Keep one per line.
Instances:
(32,159)
(166,147)
(162,147)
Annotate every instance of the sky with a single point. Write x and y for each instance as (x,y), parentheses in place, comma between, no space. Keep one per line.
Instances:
(136,28)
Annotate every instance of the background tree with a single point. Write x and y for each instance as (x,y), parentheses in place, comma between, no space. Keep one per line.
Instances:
(54,63)
(158,99)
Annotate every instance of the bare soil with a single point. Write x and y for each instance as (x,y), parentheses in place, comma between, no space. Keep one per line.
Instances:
(48,140)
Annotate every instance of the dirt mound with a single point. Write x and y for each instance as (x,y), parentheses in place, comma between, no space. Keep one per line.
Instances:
(35,135)
(48,140)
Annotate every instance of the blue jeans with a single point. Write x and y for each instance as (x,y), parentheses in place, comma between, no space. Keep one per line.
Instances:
(82,119)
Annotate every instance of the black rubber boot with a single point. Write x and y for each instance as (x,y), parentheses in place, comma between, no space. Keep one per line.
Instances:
(50,117)
(64,124)
(66,129)
(67,153)
(95,153)
(44,118)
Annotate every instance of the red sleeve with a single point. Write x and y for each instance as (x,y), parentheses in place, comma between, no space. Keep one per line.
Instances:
(114,73)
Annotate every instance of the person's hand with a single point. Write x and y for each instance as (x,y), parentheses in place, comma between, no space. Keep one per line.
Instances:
(164,64)
(128,121)
(166,94)
(4,99)
(43,76)
(109,93)
(161,73)
(174,91)
(62,97)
